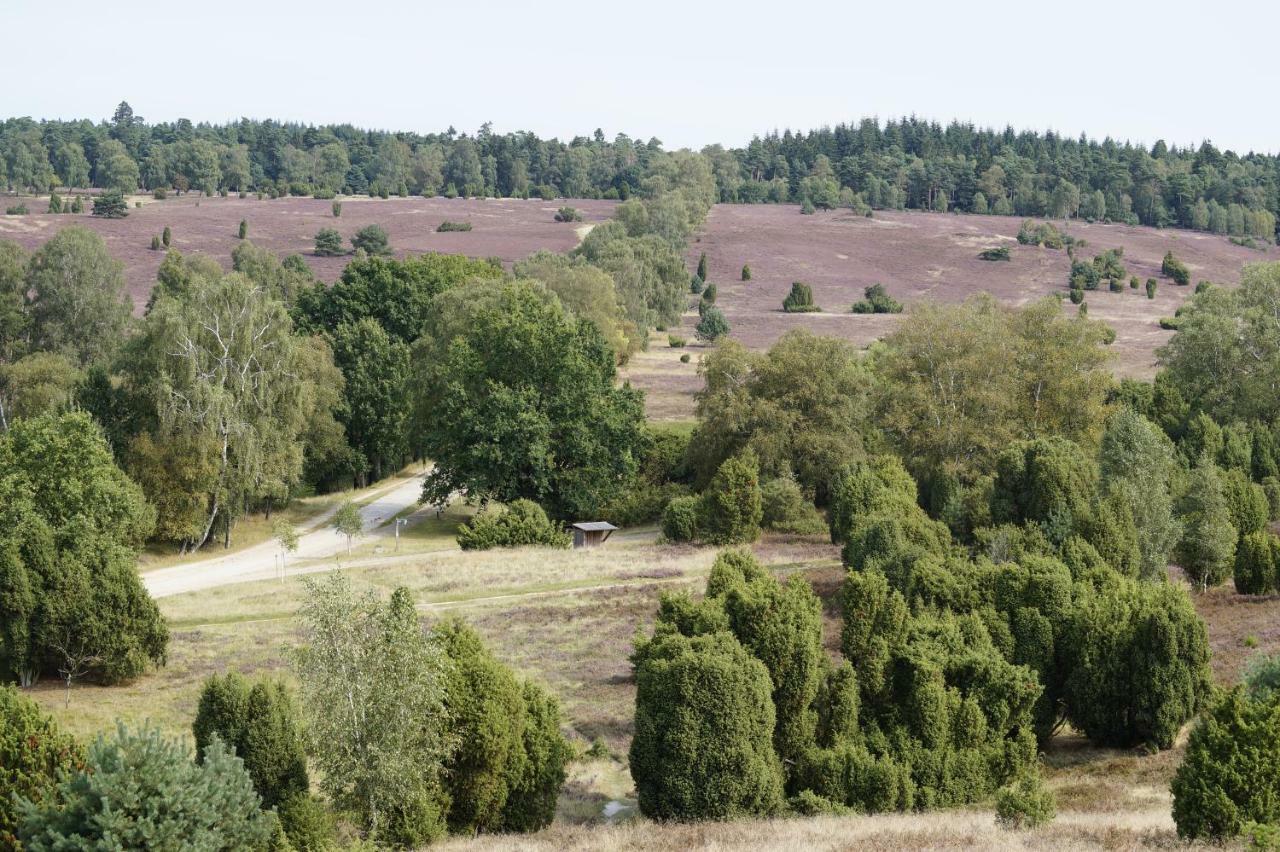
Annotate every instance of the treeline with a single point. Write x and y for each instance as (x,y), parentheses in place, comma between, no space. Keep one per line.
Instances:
(126,153)
(916,164)
(901,164)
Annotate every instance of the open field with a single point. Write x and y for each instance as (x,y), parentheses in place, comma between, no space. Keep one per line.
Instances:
(568,618)
(917,256)
(507,228)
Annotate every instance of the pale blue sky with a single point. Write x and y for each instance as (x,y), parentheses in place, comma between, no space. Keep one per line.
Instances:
(689,73)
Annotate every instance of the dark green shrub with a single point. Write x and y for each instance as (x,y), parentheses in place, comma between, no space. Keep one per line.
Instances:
(55,203)
(1077,295)
(307,823)
(1040,234)
(21,210)
(682,519)
(1246,501)
(336,208)
(1151,288)
(448,227)
(1116,285)
(702,266)
(568,214)
(329,243)
(877,301)
(139,790)
(1133,283)
(684,359)
(703,744)
(1257,563)
(807,208)
(696,285)
(1173,268)
(1026,803)
(372,239)
(486,714)
(800,299)
(784,508)
(531,800)
(243,232)
(522,523)
(155,244)
(746,272)
(1231,773)
(1137,659)
(731,509)
(998,253)
(160,193)
(675,341)
(712,326)
(709,294)
(109,205)
(33,754)
(259,722)
(166,236)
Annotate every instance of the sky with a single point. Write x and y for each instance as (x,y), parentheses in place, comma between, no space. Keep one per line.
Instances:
(688,73)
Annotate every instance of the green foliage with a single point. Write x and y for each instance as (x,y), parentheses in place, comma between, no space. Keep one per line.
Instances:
(587,292)
(877,301)
(372,240)
(568,214)
(712,326)
(998,253)
(139,790)
(34,754)
(110,205)
(516,399)
(1208,544)
(799,300)
(166,236)
(523,523)
(259,724)
(1173,268)
(78,301)
(307,823)
(682,519)
(675,341)
(329,243)
(375,399)
(336,209)
(1151,288)
(1261,677)
(1040,234)
(1137,661)
(732,511)
(807,208)
(704,730)
(243,231)
(1229,777)
(746,272)
(1026,803)
(372,690)
(70,523)
(446,227)
(1257,563)
(702,266)
(784,508)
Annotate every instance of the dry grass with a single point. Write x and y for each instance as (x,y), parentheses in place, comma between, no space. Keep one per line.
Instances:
(946,830)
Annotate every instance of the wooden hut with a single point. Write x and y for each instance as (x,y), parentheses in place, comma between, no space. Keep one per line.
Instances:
(592,533)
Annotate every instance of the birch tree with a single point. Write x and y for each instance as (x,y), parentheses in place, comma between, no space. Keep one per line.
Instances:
(220,365)
(373,692)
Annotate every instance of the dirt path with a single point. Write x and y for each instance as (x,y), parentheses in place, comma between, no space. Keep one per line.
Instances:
(261,562)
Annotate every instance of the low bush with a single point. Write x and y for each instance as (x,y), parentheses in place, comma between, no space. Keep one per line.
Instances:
(139,790)
(1040,234)
(1116,285)
(1228,778)
(712,326)
(800,300)
(16,210)
(876,300)
(682,518)
(696,285)
(1151,288)
(732,510)
(1077,295)
(159,193)
(746,272)
(1173,268)
(448,227)
(329,243)
(34,753)
(110,205)
(371,239)
(155,243)
(784,508)
(675,341)
(999,253)
(568,214)
(1026,803)
(521,523)
(807,208)
(684,359)
(336,208)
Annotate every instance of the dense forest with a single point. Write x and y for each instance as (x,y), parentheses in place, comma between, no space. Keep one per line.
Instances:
(907,163)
